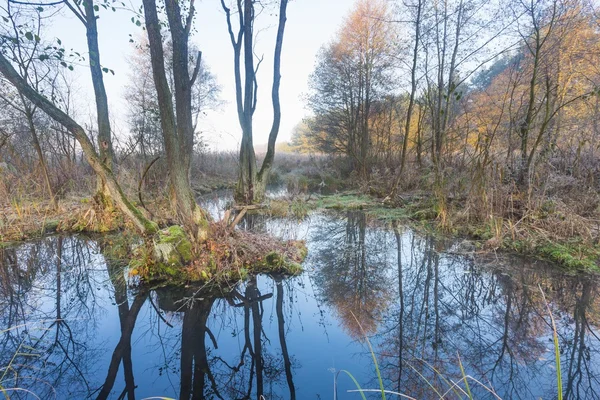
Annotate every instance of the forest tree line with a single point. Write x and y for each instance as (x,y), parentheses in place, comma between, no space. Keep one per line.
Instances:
(507,87)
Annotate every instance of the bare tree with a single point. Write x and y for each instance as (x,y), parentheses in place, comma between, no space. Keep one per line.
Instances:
(251,181)
(143,112)
(25,54)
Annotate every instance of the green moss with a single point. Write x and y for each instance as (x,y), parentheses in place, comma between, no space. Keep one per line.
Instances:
(388,213)
(154,267)
(6,245)
(478,232)
(293,269)
(50,226)
(119,246)
(518,246)
(172,246)
(347,201)
(169,270)
(274,259)
(571,256)
(150,227)
(301,249)
(277,262)
(242,273)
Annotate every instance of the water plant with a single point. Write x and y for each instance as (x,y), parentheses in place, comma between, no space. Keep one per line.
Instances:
(453,386)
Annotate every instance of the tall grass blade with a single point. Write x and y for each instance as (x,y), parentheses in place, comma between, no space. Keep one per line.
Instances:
(387,391)
(353,380)
(373,356)
(158,398)
(29,392)
(4,392)
(556,348)
(426,381)
(464,375)
(457,385)
(457,391)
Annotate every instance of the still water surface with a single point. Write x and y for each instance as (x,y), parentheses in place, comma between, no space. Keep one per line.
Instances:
(78,331)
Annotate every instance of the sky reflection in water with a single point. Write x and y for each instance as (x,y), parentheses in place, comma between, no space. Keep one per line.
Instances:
(88,336)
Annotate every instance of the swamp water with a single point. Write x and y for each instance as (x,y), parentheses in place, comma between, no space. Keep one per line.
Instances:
(78,332)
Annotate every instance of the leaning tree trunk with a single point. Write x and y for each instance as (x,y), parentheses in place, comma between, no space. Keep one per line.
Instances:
(144,225)
(105,147)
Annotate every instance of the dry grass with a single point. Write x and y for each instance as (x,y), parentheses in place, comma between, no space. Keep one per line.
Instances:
(556,217)
(30,219)
(230,254)
(227,255)
(22,220)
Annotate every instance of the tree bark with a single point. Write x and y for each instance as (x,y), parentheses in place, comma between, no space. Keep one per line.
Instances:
(177,127)
(105,147)
(247,170)
(270,156)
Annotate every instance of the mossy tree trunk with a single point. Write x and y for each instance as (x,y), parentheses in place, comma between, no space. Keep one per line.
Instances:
(176,122)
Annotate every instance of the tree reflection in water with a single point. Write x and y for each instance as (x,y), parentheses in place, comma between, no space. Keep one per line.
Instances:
(422,306)
(127,318)
(89,336)
(254,372)
(352,272)
(47,301)
(56,314)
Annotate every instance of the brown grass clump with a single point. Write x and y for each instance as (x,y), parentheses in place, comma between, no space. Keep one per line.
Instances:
(226,256)
(233,254)
(92,218)
(22,220)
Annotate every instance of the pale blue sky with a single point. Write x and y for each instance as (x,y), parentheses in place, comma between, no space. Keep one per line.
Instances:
(311,23)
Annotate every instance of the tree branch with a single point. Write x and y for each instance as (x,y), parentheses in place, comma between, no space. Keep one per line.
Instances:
(196,69)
